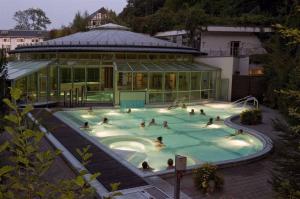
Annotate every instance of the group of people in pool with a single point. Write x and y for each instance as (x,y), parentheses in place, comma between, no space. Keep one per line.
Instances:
(146,166)
(152,123)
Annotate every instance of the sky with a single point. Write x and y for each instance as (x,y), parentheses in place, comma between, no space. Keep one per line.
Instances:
(60,12)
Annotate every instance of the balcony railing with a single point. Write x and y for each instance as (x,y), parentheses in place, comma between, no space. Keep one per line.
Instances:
(233,52)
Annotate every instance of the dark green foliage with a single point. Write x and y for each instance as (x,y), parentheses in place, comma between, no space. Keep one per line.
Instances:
(31,19)
(286,174)
(3,85)
(191,14)
(251,117)
(206,178)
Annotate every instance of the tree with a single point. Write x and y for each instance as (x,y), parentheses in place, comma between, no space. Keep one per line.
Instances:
(3,83)
(31,19)
(26,164)
(80,22)
(286,174)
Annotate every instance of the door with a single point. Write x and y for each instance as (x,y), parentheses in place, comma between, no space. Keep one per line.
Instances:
(234,48)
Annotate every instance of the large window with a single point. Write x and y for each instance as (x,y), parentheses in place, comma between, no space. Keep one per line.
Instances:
(170,82)
(66,76)
(93,75)
(140,81)
(184,81)
(205,80)
(155,81)
(79,74)
(125,81)
(93,79)
(195,80)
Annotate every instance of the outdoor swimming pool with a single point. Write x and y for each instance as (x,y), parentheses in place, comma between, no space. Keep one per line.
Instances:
(187,135)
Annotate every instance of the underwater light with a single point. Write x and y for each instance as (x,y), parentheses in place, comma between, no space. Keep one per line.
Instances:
(163,111)
(87,116)
(238,143)
(214,126)
(128,146)
(113,113)
(220,105)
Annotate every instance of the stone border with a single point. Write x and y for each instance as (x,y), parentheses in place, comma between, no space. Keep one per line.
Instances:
(266,141)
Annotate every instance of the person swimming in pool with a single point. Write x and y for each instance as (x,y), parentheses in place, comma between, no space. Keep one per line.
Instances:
(152,122)
(218,119)
(238,132)
(165,125)
(129,110)
(192,112)
(105,120)
(143,124)
(146,167)
(183,106)
(210,122)
(85,126)
(202,112)
(159,142)
(170,164)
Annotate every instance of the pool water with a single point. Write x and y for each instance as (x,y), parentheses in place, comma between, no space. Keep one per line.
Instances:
(187,134)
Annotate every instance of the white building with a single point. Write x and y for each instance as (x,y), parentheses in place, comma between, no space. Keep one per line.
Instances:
(98,18)
(10,39)
(229,48)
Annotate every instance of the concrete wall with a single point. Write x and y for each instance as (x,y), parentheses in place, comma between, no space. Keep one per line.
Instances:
(220,41)
(244,65)
(226,64)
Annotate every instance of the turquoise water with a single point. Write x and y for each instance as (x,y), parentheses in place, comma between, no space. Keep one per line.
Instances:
(187,135)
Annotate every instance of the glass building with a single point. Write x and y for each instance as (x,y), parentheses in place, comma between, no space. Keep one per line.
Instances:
(112,65)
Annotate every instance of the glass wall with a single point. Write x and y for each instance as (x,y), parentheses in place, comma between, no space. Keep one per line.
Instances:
(96,83)
(125,81)
(53,83)
(140,81)
(155,81)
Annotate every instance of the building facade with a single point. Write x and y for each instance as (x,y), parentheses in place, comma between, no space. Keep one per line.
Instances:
(98,18)
(113,65)
(10,39)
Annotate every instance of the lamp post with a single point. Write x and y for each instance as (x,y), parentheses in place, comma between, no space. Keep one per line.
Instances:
(180,167)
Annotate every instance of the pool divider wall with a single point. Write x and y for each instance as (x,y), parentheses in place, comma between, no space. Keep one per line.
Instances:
(266,141)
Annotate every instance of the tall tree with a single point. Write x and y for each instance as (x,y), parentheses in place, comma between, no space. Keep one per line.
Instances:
(31,19)
(80,22)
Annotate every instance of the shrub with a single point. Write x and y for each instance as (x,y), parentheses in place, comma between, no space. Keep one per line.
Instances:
(251,117)
(206,178)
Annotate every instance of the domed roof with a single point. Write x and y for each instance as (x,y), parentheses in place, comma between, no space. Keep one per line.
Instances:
(107,38)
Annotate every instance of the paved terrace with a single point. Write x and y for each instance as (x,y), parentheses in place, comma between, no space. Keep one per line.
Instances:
(109,168)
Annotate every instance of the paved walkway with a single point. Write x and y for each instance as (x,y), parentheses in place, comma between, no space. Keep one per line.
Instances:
(250,181)
(111,170)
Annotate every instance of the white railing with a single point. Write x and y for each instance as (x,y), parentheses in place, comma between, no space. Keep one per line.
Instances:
(245,100)
(233,51)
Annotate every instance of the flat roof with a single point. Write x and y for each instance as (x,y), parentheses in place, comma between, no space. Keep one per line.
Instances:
(23,33)
(162,67)
(233,29)
(19,69)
